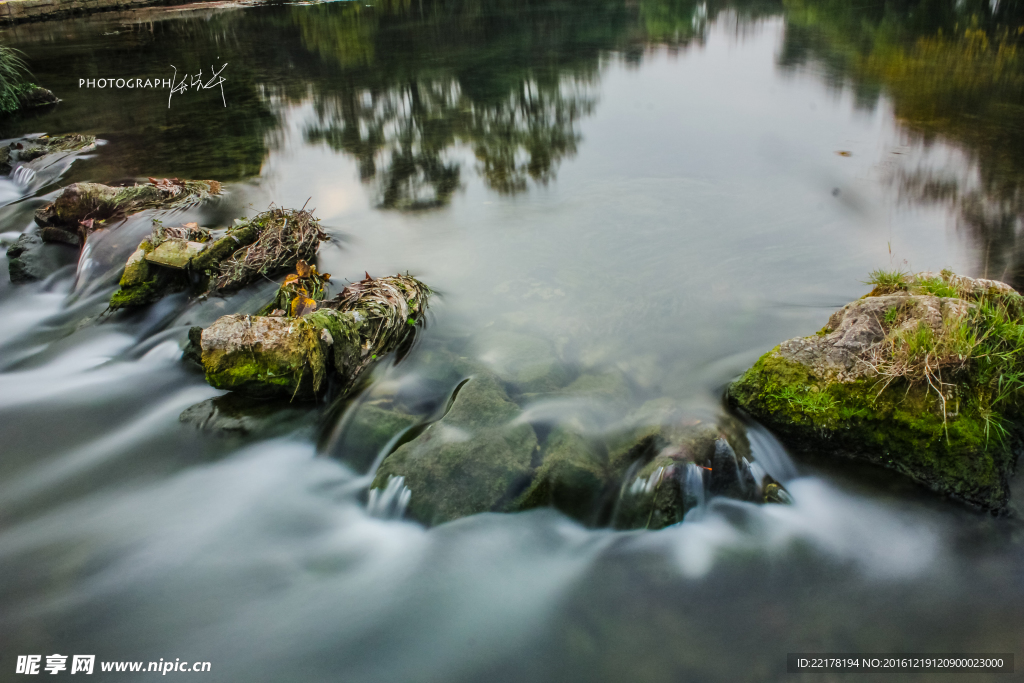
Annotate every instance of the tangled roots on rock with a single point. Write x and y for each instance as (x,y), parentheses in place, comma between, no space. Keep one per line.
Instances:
(284,237)
(390,305)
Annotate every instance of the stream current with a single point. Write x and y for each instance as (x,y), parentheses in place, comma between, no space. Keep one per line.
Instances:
(650,189)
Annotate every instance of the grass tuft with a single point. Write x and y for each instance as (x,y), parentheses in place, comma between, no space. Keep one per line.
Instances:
(13,73)
(888,281)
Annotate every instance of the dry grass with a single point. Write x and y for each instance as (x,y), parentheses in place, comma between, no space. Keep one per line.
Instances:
(391,306)
(978,348)
(285,237)
(190,232)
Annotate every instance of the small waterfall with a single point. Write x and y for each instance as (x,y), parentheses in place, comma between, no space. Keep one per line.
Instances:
(693,491)
(759,474)
(391,501)
(642,486)
(772,455)
(23,176)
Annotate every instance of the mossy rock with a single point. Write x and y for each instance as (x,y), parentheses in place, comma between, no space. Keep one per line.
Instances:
(98,202)
(30,149)
(266,356)
(474,459)
(899,427)
(572,477)
(824,395)
(143,283)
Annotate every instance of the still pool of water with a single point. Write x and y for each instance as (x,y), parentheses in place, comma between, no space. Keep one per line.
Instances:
(659,190)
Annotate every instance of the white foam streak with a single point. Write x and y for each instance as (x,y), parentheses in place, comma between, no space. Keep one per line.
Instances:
(883,542)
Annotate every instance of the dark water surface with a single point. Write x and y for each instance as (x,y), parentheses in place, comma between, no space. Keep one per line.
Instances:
(651,188)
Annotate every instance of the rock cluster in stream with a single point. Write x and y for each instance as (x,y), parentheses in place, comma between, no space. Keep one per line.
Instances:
(484,455)
(480,454)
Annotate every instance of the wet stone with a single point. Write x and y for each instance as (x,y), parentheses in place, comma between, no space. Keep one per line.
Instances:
(175,253)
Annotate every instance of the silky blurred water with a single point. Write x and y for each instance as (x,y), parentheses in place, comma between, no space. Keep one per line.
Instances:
(653,190)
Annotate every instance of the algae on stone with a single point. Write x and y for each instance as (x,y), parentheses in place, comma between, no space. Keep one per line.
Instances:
(922,376)
(474,459)
(293,356)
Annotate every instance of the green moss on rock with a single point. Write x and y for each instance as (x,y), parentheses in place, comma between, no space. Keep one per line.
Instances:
(265,357)
(900,426)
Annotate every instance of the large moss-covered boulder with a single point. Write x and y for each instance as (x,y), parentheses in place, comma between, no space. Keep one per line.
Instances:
(922,376)
(264,356)
(475,459)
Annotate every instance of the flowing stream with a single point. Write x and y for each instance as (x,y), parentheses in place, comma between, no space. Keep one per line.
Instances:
(661,190)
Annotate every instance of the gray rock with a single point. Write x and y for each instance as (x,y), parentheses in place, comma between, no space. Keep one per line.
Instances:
(29,258)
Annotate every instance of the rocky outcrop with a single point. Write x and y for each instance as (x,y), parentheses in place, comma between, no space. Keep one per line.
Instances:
(81,205)
(484,456)
(921,376)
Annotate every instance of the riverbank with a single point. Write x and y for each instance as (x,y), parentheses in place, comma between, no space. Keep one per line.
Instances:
(18,11)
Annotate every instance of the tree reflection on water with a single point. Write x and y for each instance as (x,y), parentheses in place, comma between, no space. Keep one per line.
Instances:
(954,71)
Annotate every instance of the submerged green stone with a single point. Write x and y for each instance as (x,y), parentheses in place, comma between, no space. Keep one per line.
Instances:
(472,460)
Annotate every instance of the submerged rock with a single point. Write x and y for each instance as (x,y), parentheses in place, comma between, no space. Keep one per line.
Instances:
(921,376)
(572,477)
(234,415)
(528,364)
(369,430)
(680,470)
(294,356)
(474,459)
(30,149)
(81,205)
